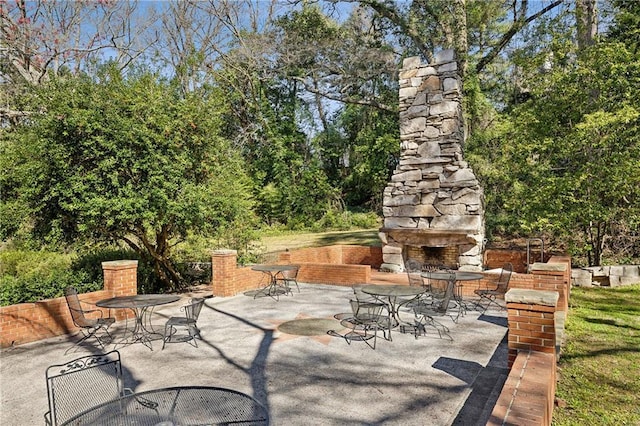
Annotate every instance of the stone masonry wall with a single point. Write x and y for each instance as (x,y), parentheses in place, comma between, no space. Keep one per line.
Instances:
(433,191)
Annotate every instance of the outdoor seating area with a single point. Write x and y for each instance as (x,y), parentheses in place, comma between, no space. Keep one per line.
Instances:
(287,354)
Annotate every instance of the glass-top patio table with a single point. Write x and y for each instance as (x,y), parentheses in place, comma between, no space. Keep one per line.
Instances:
(186,405)
(142,305)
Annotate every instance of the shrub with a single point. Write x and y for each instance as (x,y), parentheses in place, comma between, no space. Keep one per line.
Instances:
(29,276)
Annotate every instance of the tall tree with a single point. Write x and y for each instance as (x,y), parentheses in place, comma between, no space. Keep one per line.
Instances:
(127,160)
(41,38)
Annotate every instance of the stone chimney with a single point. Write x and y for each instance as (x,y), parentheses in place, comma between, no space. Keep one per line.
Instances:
(434,206)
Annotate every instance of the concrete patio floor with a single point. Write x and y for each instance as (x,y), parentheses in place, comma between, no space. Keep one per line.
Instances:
(302,380)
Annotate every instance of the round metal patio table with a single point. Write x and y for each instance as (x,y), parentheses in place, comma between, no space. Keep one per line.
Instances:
(392,292)
(453,277)
(142,305)
(272,271)
(173,406)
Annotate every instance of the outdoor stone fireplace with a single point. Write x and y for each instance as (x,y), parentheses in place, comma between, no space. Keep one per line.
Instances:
(434,206)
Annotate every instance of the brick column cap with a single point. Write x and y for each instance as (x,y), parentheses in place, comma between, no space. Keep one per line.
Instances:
(120,264)
(532,297)
(551,267)
(224,252)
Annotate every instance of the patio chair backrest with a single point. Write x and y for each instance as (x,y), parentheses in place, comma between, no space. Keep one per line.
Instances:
(366,311)
(291,274)
(415,279)
(192,310)
(82,384)
(449,289)
(505,277)
(412,265)
(77,313)
(442,290)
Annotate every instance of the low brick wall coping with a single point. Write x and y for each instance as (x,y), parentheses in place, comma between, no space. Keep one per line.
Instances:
(118,264)
(551,267)
(532,297)
(224,252)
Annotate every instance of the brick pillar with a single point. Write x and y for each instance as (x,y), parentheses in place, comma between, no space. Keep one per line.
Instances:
(223,267)
(531,316)
(554,276)
(121,277)
(284,257)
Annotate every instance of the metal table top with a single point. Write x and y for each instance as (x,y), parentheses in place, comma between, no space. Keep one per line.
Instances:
(138,301)
(460,275)
(392,290)
(273,268)
(187,405)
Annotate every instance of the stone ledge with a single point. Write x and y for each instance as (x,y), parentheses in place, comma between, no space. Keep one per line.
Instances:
(532,297)
(550,267)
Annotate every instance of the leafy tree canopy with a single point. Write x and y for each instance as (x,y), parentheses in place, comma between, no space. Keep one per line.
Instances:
(126,159)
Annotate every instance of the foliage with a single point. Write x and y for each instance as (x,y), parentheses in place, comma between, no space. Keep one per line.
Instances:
(27,276)
(370,145)
(346,220)
(598,380)
(568,160)
(126,159)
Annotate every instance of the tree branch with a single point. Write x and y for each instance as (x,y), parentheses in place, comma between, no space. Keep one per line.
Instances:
(516,26)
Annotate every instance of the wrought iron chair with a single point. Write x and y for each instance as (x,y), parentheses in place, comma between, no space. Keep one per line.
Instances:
(88,326)
(287,278)
(81,384)
(367,319)
(425,314)
(188,321)
(414,270)
(489,295)
(368,315)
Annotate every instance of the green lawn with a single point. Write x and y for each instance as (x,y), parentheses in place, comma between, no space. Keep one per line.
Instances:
(291,241)
(599,370)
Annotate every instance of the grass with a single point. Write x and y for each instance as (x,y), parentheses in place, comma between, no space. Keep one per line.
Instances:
(599,369)
(281,242)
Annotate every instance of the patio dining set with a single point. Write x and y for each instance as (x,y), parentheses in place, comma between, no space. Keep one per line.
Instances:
(433,292)
(90,390)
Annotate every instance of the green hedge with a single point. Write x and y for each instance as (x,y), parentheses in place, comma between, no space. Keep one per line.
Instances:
(30,276)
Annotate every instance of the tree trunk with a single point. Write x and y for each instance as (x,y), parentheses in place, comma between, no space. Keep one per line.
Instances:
(586,22)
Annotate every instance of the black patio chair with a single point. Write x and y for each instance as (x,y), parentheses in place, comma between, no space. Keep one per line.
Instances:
(81,384)
(88,326)
(441,304)
(188,321)
(368,318)
(289,277)
(490,294)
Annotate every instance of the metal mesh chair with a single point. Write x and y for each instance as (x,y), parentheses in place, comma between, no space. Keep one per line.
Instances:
(425,314)
(188,321)
(82,384)
(88,326)
(489,295)
(367,318)
(289,277)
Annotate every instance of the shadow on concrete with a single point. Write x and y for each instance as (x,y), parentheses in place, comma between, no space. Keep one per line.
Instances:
(486,384)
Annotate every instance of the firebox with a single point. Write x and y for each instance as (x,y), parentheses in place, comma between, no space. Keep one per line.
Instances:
(442,256)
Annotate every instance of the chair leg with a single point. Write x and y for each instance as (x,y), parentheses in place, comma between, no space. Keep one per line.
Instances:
(167,336)
(194,332)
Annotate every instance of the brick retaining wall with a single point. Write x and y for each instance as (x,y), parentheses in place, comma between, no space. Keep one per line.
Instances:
(29,322)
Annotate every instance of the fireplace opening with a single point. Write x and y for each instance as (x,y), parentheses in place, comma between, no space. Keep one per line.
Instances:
(440,256)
